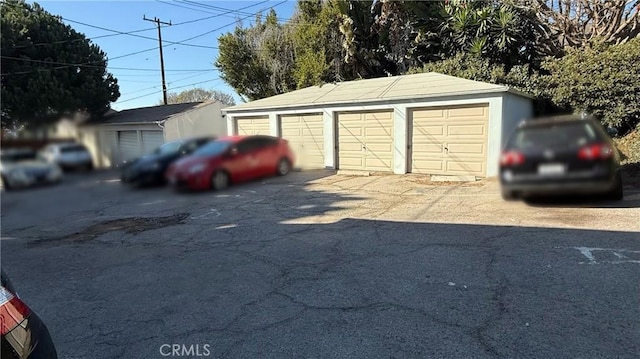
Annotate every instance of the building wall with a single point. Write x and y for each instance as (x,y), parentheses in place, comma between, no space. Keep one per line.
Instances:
(515,109)
(206,120)
(102,141)
(502,107)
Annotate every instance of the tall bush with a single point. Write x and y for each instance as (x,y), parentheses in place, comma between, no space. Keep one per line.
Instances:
(601,80)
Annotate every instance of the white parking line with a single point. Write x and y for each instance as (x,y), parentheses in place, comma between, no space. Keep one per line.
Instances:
(212,212)
(622,254)
(152,202)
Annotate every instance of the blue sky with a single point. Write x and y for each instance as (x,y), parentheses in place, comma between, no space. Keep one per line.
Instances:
(140,88)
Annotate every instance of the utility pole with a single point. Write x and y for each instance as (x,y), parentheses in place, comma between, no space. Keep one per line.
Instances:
(158,22)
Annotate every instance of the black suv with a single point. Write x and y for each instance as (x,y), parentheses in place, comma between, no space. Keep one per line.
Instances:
(150,169)
(560,155)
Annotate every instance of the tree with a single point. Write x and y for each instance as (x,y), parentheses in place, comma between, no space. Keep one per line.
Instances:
(520,77)
(602,80)
(316,43)
(501,32)
(579,23)
(199,95)
(258,61)
(49,69)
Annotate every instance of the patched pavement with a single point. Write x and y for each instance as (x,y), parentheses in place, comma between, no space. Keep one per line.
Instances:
(326,266)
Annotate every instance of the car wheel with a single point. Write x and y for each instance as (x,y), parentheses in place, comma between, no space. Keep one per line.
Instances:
(219,180)
(617,193)
(88,167)
(5,184)
(284,167)
(508,195)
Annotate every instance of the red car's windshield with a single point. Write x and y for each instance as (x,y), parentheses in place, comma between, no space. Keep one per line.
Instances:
(213,148)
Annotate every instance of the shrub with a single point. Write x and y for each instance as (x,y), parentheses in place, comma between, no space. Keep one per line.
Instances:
(604,81)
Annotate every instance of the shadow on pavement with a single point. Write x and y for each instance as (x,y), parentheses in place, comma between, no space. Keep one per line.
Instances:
(248,284)
(631,200)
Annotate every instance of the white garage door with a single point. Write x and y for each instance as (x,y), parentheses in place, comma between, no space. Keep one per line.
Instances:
(365,141)
(305,136)
(151,140)
(450,140)
(253,126)
(128,145)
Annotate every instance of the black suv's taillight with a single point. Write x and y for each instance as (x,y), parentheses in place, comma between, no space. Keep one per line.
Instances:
(598,151)
(511,158)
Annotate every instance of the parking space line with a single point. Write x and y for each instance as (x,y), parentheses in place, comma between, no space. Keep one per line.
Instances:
(212,212)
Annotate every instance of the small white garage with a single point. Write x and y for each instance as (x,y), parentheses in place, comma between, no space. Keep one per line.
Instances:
(127,134)
(424,123)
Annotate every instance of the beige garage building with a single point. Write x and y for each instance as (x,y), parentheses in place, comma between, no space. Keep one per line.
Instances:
(424,123)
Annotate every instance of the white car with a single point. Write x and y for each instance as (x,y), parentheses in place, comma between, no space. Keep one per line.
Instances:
(68,155)
(23,168)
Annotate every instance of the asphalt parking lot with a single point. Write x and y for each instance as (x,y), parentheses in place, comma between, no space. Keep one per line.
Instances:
(318,265)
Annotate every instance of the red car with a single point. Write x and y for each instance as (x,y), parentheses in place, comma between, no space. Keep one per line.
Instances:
(231,159)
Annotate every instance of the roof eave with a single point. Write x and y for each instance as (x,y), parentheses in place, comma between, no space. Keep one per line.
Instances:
(497,89)
(124,123)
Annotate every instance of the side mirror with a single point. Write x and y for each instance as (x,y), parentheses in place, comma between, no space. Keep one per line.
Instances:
(232,152)
(612,131)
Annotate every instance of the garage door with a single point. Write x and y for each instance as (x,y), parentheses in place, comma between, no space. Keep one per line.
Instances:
(151,140)
(253,126)
(305,136)
(128,145)
(365,141)
(450,140)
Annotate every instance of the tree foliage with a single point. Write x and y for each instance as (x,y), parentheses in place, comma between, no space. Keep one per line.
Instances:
(200,95)
(49,69)
(257,61)
(336,40)
(604,81)
(519,43)
(501,33)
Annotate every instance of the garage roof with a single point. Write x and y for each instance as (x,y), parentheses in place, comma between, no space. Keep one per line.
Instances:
(146,114)
(425,85)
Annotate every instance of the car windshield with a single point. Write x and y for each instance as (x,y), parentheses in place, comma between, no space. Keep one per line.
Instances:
(169,148)
(19,156)
(567,135)
(70,149)
(213,148)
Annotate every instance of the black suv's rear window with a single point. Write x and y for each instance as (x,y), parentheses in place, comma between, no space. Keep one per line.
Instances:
(562,135)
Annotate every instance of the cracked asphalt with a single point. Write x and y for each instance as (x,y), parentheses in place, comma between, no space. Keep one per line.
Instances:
(316,265)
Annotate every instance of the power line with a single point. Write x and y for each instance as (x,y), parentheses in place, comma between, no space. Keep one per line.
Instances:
(222,27)
(96,66)
(215,8)
(174,88)
(149,75)
(135,35)
(226,11)
(134,32)
(157,86)
(142,51)
(201,8)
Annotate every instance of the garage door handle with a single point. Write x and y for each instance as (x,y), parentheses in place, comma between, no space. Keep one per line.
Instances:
(446,149)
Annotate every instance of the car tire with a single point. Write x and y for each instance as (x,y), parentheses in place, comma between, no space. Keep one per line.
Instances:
(88,167)
(284,167)
(219,180)
(5,184)
(617,193)
(509,195)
